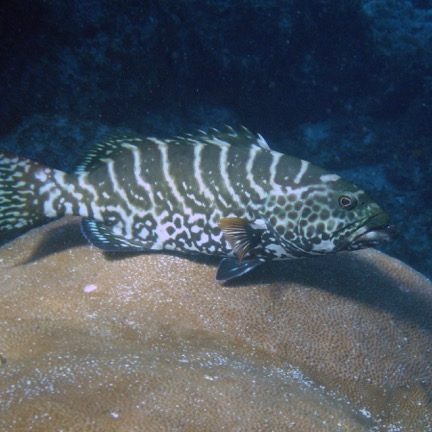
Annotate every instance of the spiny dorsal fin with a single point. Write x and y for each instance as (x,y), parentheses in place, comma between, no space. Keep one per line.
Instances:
(240,137)
(113,143)
(104,149)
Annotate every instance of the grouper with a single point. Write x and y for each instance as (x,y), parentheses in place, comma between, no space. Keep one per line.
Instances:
(221,192)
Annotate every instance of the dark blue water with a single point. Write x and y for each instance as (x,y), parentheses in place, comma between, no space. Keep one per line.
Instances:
(347,85)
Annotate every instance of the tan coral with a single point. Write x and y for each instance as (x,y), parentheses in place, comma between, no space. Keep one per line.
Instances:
(151,342)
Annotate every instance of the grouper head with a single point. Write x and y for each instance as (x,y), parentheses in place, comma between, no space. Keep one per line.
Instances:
(326,216)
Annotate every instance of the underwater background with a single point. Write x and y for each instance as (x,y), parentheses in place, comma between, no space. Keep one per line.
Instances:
(345,84)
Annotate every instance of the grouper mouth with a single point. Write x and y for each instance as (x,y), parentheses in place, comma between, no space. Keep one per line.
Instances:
(376,235)
(375,231)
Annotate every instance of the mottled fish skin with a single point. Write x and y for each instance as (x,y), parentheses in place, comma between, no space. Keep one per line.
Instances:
(222,193)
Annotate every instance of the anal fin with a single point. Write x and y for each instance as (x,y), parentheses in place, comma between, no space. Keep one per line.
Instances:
(103,237)
(230,268)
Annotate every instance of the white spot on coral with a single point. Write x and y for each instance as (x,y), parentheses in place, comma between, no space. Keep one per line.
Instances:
(210,378)
(90,288)
(366,413)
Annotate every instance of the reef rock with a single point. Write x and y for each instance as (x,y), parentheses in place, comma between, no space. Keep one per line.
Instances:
(148,342)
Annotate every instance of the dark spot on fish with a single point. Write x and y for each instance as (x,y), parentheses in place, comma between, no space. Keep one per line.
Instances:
(281,200)
(298,205)
(177,222)
(307,246)
(313,217)
(290,225)
(306,212)
(170,230)
(292,197)
(290,235)
(184,238)
(200,223)
(325,214)
(321,199)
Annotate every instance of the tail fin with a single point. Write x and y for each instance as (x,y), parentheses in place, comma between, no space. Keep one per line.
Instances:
(21,200)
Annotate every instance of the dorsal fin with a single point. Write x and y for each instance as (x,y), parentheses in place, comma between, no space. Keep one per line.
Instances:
(240,137)
(114,143)
(104,149)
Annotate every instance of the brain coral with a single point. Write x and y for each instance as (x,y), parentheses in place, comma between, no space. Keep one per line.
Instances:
(150,342)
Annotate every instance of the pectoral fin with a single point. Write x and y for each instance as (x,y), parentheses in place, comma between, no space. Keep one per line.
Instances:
(240,235)
(230,268)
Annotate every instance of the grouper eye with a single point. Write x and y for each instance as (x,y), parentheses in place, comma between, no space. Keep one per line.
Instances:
(347,202)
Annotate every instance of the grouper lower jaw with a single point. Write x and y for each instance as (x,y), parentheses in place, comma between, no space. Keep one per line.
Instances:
(377,235)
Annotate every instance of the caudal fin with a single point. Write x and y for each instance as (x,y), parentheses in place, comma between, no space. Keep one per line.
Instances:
(21,201)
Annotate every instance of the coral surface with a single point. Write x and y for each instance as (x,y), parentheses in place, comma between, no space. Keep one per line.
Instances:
(95,342)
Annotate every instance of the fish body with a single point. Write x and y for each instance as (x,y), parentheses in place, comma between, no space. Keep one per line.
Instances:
(221,193)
